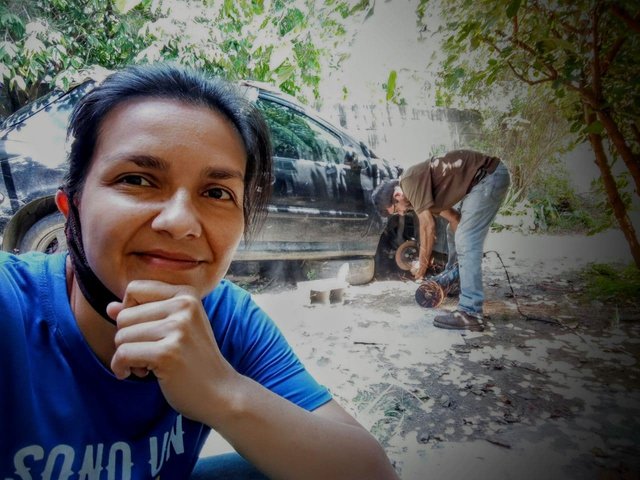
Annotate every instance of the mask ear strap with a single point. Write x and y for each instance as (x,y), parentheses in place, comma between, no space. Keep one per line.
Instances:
(96,293)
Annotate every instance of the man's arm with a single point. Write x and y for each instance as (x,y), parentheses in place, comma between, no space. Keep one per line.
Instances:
(427,233)
(452,216)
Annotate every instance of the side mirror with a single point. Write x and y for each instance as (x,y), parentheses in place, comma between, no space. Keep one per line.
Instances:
(354,159)
(351,156)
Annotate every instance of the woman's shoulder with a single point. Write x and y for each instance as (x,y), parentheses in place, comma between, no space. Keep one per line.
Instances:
(31,276)
(228,296)
(29,264)
(228,288)
(26,264)
(31,284)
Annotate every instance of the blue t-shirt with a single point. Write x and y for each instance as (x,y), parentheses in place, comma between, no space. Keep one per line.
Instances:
(64,415)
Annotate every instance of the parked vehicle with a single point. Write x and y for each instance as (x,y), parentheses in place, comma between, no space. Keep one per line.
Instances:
(320,210)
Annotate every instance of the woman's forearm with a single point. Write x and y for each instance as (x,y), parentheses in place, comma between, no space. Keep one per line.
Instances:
(286,441)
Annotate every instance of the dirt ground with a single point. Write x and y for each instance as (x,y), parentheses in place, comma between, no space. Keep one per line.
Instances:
(550,390)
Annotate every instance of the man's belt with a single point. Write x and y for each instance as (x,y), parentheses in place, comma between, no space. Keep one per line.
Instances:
(483,172)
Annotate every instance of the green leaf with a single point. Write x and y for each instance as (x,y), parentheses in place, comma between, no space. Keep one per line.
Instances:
(475,42)
(9,20)
(284,72)
(576,126)
(123,6)
(512,8)
(18,83)
(595,127)
(391,84)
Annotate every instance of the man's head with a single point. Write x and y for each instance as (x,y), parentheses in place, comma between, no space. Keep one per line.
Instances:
(389,199)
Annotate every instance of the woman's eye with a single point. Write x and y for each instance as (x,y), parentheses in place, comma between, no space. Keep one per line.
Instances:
(135,180)
(218,194)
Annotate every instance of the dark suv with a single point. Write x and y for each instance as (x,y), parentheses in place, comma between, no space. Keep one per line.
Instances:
(320,210)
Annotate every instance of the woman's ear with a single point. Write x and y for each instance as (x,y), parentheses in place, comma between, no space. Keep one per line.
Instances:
(62,202)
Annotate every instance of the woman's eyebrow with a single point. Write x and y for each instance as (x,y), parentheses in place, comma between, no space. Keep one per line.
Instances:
(220,173)
(158,163)
(141,160)
(148,161)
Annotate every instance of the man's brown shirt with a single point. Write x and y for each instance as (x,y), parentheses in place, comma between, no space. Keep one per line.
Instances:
(440,182)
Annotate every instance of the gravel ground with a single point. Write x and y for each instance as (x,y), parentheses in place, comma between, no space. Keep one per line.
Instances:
(550,390)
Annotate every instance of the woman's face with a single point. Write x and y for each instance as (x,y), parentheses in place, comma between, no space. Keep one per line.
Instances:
(163,196)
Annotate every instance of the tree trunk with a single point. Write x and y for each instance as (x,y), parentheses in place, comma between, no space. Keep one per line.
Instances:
(621,146)
(615,200)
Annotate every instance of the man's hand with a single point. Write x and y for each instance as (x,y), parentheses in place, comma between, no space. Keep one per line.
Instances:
(419,270)
(452,216)
(163,328)
(427,229)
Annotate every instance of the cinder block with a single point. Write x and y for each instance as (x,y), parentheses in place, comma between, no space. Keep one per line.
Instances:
(324,291)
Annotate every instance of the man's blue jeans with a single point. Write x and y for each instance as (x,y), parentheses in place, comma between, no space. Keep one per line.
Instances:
(228,466)
(478,209)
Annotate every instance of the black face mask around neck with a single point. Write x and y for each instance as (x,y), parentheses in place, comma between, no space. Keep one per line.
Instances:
(96,293)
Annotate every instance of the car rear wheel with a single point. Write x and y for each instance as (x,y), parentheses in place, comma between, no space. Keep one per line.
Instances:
(406,254)
(46,235)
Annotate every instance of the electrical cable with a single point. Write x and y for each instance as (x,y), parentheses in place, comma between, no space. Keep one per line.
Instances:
(515,297)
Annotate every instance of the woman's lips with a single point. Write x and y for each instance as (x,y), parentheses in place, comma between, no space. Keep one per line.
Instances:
(170,260)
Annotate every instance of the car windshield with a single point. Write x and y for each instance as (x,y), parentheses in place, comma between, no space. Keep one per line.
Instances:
(39,131)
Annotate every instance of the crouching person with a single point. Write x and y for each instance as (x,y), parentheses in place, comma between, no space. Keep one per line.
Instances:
(479,184)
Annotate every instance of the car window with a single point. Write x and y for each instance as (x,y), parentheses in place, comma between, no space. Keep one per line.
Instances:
(296,136)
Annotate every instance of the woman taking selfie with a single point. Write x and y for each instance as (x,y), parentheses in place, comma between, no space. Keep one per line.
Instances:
(117,358)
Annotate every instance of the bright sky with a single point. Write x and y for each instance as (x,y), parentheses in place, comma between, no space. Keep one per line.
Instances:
(387,41)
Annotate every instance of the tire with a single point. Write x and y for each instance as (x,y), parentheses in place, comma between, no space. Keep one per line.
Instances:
(46,235)
(361,270)
(406,254)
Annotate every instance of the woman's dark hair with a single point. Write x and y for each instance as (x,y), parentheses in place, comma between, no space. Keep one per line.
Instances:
(382,196)
(173,82)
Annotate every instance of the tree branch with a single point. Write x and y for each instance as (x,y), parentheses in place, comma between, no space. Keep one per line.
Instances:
(608,60)
(636,132)
(555,18)
(622,14)
(523,78)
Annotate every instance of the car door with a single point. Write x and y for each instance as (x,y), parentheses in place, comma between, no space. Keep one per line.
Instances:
(318,203)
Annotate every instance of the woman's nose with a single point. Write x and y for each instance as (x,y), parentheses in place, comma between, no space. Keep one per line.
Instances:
(179,217)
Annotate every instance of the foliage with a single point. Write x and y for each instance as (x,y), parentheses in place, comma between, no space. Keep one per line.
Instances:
(393,93)
(586,52)
(383,408)
(46,37)
(558,209)
(602,206)
(283,42)
(606,282)
(498,48)
(529,139)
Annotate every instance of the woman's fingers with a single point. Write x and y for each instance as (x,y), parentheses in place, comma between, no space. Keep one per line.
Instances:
(135,358)
(140,292)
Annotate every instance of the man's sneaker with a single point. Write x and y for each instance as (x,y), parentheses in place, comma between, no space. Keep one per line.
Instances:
(459,320)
